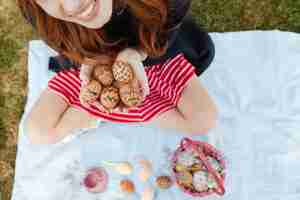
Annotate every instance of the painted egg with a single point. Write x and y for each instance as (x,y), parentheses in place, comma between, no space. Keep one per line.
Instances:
(124,168)
(146,170)
(185,178)
(148,193)
(211,183)
(187,158)
(127,186)
(96,180)
(200,180)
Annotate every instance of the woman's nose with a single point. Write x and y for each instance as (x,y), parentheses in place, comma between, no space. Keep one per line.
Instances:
(73,7)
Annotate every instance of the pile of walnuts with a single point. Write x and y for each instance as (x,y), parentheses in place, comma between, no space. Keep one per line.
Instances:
(112,86)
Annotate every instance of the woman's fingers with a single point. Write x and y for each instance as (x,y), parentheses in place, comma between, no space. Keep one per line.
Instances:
(142,77)
(86,73)
(123,108)
(120,108)
(135,58)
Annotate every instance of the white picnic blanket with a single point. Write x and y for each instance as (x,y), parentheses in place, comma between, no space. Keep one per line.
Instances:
(255,82)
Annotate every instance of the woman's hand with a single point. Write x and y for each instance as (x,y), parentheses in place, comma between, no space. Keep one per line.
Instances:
(134,58)
(129,55)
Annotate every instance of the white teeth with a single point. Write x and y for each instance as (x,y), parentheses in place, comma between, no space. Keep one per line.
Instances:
(88,11)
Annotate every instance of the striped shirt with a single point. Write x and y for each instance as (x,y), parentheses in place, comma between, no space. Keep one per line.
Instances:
(166,82)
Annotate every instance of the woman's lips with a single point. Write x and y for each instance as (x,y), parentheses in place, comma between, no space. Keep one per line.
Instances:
(75,11)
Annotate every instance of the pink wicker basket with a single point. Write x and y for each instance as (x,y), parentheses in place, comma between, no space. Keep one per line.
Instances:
(203,150)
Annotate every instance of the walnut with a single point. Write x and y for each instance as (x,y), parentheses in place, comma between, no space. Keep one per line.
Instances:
(91,92)
(103,74)
(110,97)
(122,72)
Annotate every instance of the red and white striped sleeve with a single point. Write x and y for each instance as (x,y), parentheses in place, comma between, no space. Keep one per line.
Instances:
(67,85)
(185,73)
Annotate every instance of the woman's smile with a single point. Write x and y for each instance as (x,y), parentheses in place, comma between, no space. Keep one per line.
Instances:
(84,11)
(89,13)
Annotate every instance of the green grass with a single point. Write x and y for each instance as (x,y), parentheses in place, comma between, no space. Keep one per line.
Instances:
(238,15)
(214,15)
(8,52)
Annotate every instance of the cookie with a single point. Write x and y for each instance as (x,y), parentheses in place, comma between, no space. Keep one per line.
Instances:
(91,92)
(103,74)
(122,72)
(164,182)
(130,94)
(110,97)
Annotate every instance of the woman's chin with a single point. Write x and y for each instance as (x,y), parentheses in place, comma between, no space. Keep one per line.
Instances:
(95,24)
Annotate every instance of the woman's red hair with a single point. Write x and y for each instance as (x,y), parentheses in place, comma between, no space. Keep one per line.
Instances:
(80,44)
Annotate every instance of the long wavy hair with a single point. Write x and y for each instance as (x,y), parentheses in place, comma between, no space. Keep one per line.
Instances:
(148,20)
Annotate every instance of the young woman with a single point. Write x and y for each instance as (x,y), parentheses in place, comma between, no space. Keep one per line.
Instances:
(164,46)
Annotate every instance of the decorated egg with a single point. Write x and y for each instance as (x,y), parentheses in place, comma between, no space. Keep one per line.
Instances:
(185,178)
(96,180)
(127,186)
(124,168)
(214,163)
(187,158)
(180,168)
(103,74)
(200,181)
(146,170)
(148,193)
(211,183)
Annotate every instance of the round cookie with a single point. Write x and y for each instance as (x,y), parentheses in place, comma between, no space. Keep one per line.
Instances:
(110,97)
(130,94)
(122,72)
(91,92)
(164,182)
(103,74)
